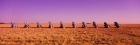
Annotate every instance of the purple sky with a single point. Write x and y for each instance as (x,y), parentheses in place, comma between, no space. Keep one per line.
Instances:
(123,11)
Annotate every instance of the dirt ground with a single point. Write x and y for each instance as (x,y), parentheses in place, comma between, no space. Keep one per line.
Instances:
(126,35)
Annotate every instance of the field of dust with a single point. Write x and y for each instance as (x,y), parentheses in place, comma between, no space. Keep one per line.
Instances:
(126,35)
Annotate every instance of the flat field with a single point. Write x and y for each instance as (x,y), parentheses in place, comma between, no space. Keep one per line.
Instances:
(128,34)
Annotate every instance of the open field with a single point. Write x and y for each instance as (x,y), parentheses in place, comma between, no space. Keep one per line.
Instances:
(126,35)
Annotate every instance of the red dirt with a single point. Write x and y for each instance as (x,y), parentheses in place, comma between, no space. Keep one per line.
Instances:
(126,35)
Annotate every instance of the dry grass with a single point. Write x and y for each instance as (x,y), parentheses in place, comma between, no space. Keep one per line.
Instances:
(70,36)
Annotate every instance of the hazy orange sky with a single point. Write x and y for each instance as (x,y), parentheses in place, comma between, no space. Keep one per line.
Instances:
(123,11)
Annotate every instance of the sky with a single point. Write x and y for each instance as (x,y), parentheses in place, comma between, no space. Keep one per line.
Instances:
(123,11)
